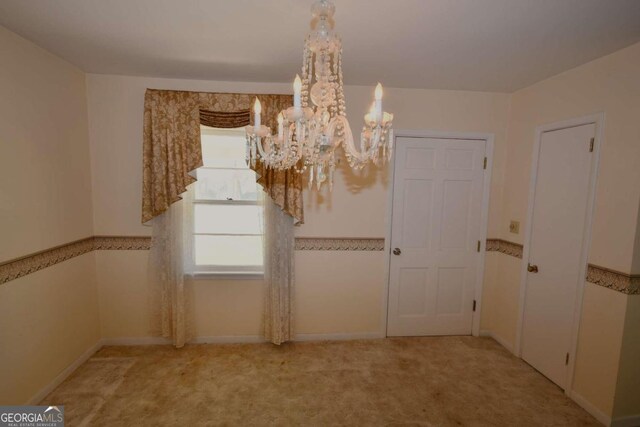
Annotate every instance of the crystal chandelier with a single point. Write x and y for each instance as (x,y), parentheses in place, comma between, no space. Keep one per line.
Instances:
(310,132)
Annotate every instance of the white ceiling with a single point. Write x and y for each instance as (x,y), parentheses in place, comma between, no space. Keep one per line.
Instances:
(487,45)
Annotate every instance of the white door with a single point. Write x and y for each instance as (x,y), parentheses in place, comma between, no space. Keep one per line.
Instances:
(562,186)
(435,236)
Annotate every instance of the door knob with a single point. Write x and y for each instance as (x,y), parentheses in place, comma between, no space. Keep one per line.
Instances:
(532,268)
(397,251)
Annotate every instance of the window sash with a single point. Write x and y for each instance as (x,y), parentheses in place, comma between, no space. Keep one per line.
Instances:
(221,270)
(226,168)
(195,268)
(228,234)
(226,202)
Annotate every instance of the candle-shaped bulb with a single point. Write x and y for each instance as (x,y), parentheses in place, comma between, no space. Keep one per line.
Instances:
(378,103)
(297,84)
(257,110)
(280,127)
(378,92)
(371,115)
(297,89)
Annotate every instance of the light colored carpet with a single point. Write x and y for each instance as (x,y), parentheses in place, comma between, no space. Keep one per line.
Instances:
(431,381)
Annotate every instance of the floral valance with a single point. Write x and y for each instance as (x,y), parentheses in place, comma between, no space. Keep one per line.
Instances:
(171,145)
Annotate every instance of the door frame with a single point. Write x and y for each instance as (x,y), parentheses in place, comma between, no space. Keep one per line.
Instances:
(488,139)
(596,119)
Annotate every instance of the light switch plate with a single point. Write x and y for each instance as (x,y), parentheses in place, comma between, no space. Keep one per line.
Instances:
(514,227)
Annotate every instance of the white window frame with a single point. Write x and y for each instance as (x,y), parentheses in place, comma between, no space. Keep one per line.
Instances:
(241,272)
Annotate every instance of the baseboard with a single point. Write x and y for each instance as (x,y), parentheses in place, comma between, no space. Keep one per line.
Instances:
(136,341)
(498,339)
(234,339)
(37,398)
(231,339)
(340,337)
(240,339)
(590,408)
(632,421)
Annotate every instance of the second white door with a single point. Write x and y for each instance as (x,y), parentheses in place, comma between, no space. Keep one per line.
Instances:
(435,236)
(555,264)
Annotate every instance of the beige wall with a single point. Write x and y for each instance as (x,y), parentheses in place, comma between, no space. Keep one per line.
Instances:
(635,265)
(627,396)
(43,150)
(627,400)
(500,297)
(220,308)
(337,292)
(610,85)
(49,318)
(599,342)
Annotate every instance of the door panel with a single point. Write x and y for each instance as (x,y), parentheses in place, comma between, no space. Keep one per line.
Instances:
(413,292)
(416,209)
(556,242)
(456,213)
(437,197)
(450,291)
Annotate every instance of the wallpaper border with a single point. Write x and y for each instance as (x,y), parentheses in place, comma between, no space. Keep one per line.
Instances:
(122,243)
(504,246)
(339,244)
(622,282)
(19,267)
(13,269)
(28,264)
(626,283)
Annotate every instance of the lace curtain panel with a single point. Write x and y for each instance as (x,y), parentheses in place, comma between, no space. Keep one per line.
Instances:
(170,300)
(279,273)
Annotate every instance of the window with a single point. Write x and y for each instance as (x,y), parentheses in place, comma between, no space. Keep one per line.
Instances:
(226,220)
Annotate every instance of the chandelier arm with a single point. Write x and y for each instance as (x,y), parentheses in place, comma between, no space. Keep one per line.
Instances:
(349,145)
(263,154)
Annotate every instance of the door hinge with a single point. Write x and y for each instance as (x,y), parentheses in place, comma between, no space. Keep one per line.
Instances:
(566,360)
(593,140)
(474,305)
(478,246)
(485,163)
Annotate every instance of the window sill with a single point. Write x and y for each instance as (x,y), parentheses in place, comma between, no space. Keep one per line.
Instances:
(226,275)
